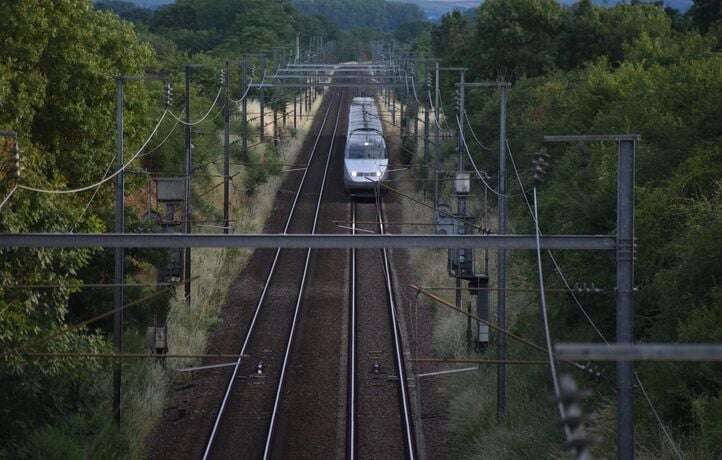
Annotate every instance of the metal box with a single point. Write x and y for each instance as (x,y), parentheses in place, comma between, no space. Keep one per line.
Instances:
(462,183)
(171,188)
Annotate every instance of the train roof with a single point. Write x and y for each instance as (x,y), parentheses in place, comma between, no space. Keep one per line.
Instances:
(364,116)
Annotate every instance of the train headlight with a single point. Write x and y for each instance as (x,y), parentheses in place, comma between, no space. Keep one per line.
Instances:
(378,173)
(354,173)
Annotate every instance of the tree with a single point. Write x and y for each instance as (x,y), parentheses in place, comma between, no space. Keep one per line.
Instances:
(57,92)
(704,13)
(518,37)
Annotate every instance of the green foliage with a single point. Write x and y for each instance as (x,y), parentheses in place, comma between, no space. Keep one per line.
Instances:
(371,14)
(58,94)
(609,70)
(260,167)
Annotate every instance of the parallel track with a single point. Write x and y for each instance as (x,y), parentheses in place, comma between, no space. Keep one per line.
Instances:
(252,328)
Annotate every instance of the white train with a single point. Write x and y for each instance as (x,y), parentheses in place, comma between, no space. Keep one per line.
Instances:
(365,157)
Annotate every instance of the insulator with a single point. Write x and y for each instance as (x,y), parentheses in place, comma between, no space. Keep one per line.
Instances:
(16,160)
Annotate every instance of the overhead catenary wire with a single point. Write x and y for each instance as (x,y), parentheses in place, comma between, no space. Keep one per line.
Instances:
(107,178)
(473,163)
(7,197)
(545,321)
(473,134)
(194,123)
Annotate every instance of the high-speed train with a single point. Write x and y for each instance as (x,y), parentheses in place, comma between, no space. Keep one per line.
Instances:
(365,157)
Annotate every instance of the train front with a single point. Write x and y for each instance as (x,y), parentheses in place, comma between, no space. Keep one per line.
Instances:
(366,162)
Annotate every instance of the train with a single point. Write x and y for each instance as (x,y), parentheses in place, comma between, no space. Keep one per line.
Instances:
(366,159)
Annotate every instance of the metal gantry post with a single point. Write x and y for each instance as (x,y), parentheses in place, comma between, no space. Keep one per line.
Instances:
(625,297)
(624,246)
(462,110)
(426,121)
(188,190)
(119,252)
(244,107)
(437,137)
(501,263)
(261,102)
(226,151)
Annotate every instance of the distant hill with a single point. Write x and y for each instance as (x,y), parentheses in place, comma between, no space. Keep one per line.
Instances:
(150,4)
(434,9)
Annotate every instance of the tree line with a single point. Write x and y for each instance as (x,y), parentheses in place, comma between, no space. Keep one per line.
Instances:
(631,68)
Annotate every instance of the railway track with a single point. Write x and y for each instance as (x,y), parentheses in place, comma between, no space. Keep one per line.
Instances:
(377,381)
(258,376)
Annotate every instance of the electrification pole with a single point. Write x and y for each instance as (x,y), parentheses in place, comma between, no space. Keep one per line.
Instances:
(625,297)
(262,93)
(119,252)
(244,107)
(426,122)
(437,137)
(188,191)
(226,151)
(501,263)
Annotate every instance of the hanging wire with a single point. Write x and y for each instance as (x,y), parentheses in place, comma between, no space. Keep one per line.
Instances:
(473,163)
(108,178)
(7,197)
(473,134)
(215,101)
(545,320)
(559,271)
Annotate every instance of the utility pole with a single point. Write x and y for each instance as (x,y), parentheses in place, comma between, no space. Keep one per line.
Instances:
(119,252)
(226,151)
(188,191)
(298,47)
(426,122)
(501,263)
(263,114)
(437,138)
(625,296)
(461,200)
(244,107)
(625,279)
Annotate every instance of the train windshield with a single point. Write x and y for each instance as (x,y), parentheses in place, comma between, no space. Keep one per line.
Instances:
(366,148)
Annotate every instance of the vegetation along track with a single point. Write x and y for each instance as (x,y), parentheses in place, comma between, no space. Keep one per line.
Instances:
(247,414)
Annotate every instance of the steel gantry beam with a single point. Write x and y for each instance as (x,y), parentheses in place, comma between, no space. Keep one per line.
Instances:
(330,85)
(639,352)
(321,241)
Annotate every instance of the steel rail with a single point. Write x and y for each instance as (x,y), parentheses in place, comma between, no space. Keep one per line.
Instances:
(398,348)
(251,327)
(351,403)
(302,286)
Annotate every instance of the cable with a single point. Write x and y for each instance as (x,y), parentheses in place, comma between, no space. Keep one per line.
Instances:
(558,269)
(473,163)
(145,154)
(468,123)
(92,197)
(7,197)
(204,116)
(98,184)
(248,88)
(545,319)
